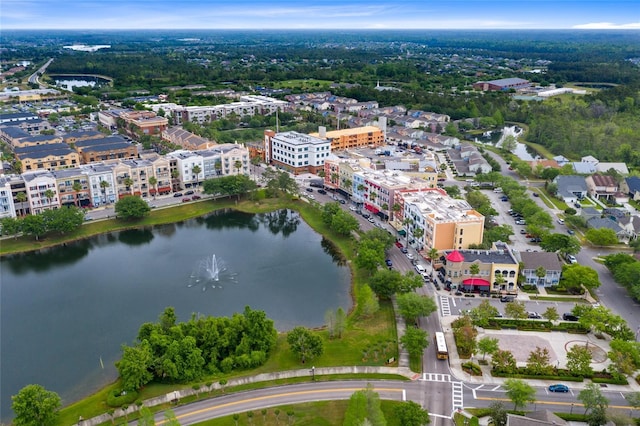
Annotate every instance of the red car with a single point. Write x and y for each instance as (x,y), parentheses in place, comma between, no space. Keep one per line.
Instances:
(186,200)
(399,244)
(196,197)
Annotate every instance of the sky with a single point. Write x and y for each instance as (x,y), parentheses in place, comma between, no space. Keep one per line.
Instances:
(320,14)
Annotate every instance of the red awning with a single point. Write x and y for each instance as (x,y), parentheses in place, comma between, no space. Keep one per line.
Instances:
(477,282)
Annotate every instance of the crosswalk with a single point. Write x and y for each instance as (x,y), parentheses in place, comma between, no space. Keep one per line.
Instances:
(436,377)
(445,306)
(457,397)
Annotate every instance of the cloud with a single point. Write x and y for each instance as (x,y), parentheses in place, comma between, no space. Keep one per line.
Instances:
(607,26)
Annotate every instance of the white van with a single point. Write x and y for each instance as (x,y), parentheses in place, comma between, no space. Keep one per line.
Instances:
(497,189)
(420,269)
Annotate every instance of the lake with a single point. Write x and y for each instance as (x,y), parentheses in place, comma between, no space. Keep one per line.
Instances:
(66,311)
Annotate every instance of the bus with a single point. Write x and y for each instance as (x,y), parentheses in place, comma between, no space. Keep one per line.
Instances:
(441,346)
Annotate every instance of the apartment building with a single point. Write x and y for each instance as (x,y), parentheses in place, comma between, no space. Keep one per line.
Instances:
(42,191)
(73,187)
(7,207)
(296,152)
(357,137)
(105,148)
(249,105)
(432,219)
(102,184)
(53,156)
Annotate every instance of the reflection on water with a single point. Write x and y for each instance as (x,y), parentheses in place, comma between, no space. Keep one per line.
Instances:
(62,310)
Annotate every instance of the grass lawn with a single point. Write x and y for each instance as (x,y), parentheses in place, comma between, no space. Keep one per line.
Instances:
(321,413)
(365,341)
(303,84)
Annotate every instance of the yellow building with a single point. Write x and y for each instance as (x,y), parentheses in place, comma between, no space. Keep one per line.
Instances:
(54,156)
(358,137)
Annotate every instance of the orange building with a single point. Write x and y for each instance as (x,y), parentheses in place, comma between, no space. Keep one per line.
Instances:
(358,137)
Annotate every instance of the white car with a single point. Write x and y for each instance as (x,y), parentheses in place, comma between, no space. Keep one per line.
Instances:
(419,268)
(561,221)
(310,196)
(352,208)
(571,259)
(410,256)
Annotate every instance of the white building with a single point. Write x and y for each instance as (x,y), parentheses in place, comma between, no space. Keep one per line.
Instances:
(7,208)
(101,193)
(296,152)
(38,184)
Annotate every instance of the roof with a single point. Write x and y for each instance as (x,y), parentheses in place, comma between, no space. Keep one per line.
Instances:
(476,281)
(584,168)
(109,140)
(534,260)
(599,223)
(633,183)
(41,151)
(604,180)
(455,256)
(503,82)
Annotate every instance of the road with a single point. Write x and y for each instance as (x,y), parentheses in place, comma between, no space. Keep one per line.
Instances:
(34,78)
(473,395)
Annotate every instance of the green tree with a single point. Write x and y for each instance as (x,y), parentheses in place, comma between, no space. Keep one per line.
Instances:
(563,244)
(63,220)
(367,302)
(503,362)
(498,413)
(343,223)
(304,343)
(34,225)
(602,236)
(196,169)
(77,187)
(385,283)
(410,413)
(11,226)
(415,341)
(412,305)
(465,335)
(516,309)
(579,361)
(576,276)
(592,398)
(509,143)
(134,366)
(131,207)
(483,313)
(538,362)
(364,406)
(551,313)
(33,405)
(519,392)
(103,186)
(128,182)
(341,320)
(487,345)
(146,417)
(153,181)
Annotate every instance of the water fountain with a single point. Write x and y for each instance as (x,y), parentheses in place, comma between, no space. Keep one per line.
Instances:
(210,272)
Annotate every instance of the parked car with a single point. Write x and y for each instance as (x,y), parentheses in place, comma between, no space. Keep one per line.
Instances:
(189,192)
(505,299)
(558,388)
(186,200)
(352,208)
(522,231)
(535,194)
(404,250)
(309,189)
(196,197)
(569,317)
(366,215)
(561,221)
(420,269)
(177,194)
(571,259)
(372,220)
(409,256)
(505,198)
(321,191)
(399,244)
(570,232)
(343,202)
(389,263)
(534,315)
(536,240)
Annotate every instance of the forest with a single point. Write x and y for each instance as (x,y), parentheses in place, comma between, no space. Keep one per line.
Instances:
(433,70)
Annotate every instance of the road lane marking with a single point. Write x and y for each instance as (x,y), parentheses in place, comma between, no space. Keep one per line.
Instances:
(576,404)
(457,396)
(274,396)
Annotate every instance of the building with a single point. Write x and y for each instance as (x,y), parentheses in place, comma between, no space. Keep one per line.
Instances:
(497,270)
(571,188)
(105,148)
(17,117)
(7,207)
(144,123)
(102,186)
(53,156)
(432,219)
(42,191)
(541,268)
(219,160)
(502,84)
(296,152)
(602,186)
(186,140)
(73,187)
(249,105)
(358,137)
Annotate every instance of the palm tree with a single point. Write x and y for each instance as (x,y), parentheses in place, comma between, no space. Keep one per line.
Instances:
(385,207)
(396,207)
(21,197)
(406,222)
(104,185)
(174,177)
(77,187)
(128,182)
(196,169)
(237,165)
(433,253)
(153,181)
(418,233)
(49,194)
(334,178)
(541,272)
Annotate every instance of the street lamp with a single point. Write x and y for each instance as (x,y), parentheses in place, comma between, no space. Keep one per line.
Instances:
(313,374)
(571,412)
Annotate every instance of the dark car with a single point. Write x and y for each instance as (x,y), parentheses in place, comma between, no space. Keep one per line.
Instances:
(309,189)
(569,317)
(186,200)
(559,388)
(389,263)
(536,240)
(535,194)
(399,244)
(404,250)
(343,202)
(506,299)
(177,194)
(189,192)
(196,197)
(321,191)
(570,232)
(504,199)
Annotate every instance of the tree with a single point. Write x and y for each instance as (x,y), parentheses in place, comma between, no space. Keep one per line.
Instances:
(592,398)
(11,226)
(551,313)
(516,309)
(146,417)
(575,276)
(487,345)
(49,194)
(33,405)
(433,255)
(412,305)
(77,187)
(34,225)
(196,169)
(484,313)
(134,366)
(503,362)
(579,361)
(367,301)
(498,413)
(602,236)
(509,143)
(341,320)
(343,223)
(305,343)
(410,413)
(131,207)
(519,392)
(538,362)
(237,165)
(128,182)
(385,283)
(415,341)
(364,406)
(153,181)
(21,197)
(563,244)
(103,186)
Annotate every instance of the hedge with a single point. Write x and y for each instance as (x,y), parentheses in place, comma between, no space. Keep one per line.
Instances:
(115,398)
(610,380)
(535,377)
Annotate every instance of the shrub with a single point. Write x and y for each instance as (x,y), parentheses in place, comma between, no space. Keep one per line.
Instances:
(118,397)
(472,368)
